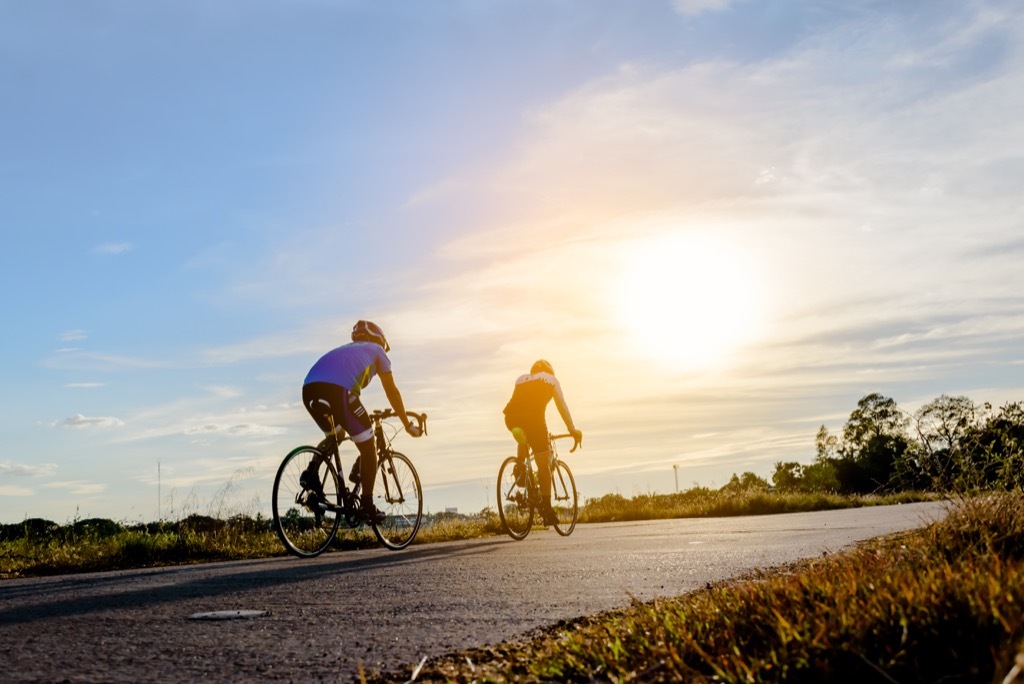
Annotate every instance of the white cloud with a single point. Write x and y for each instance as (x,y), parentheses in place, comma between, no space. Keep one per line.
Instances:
(112,248)
(81,487)
(80,421)
(72,335)
(8,490)
(84,385)
(237,430)
(23,470)
(694,7)
(224,391)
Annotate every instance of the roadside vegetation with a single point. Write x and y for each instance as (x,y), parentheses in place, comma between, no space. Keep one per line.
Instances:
(41,547)
(945,603)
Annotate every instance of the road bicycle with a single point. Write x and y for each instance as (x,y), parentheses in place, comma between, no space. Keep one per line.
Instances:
(519,497)
(307,522)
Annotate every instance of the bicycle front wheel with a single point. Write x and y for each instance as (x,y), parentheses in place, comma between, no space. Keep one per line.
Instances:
(397,494)
(564,499)
(514,507)
(305,523)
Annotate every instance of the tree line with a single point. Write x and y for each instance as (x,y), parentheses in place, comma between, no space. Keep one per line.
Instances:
(949,444)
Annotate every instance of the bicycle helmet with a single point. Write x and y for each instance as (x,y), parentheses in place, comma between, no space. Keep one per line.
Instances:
(542,366)
(365,331)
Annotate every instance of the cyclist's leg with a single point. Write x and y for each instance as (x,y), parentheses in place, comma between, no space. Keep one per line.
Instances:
(537,436)
(522,449)
(543,459)
(518,434)
(357,422)
(367,467)
(320,400)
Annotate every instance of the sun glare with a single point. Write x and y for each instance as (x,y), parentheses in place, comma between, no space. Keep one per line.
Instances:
(687,301)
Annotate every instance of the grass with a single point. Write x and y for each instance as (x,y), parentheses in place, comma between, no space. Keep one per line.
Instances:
(945,603)
(38,547)
(701,502)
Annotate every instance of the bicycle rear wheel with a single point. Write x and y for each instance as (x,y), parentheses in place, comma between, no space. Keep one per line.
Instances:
(306,524)
(514,507)
(564,499)
(397,494)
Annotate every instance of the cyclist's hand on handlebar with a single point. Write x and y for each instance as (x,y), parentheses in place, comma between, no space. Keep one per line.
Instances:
(413,430)
(577,436)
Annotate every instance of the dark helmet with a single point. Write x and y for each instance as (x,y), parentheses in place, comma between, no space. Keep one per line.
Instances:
(365,331)
(542,366)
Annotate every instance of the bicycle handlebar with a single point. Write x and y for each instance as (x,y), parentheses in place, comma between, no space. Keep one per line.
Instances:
(384,414)
(576,444)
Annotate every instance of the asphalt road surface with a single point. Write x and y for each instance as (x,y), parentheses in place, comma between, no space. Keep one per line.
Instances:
(320,619)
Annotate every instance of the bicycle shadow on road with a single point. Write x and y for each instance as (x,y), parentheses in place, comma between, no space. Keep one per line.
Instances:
(33,600)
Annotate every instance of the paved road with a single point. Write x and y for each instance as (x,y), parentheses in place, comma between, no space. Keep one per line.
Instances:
(320,619)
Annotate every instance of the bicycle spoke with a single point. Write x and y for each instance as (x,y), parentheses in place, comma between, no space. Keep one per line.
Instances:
(397,494)
(305,522)
(514,507)
(564,498)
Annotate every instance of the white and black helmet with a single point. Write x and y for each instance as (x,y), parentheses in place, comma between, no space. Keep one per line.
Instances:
(542,366)
(365,331)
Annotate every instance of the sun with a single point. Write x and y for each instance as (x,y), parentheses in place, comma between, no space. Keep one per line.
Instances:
(688,301)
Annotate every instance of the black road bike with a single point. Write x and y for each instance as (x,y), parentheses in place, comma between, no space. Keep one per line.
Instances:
(519,497)
(307,520)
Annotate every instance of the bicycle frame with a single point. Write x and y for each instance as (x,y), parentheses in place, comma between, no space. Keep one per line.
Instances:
(519,496)
(559,491)
(331,446)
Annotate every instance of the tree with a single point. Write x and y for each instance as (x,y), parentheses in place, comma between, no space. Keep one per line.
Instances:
(826,444)
(747,481)
(943,425)
(787,476)
(875,416)
(874,438)
(994,451)
(820,476)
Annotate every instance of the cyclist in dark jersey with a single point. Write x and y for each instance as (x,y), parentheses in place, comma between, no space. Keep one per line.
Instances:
(526,420)
(333,385)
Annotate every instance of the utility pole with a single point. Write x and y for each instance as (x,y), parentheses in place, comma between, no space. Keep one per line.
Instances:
(158,518)
(675,467)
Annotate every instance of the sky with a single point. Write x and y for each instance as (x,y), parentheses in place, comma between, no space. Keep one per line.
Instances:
(723,222)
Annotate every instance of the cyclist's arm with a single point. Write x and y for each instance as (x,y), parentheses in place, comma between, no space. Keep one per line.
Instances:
(387,381)
(563,408)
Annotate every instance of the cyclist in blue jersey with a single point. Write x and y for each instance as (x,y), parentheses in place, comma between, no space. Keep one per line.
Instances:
(526,420)
(332,387)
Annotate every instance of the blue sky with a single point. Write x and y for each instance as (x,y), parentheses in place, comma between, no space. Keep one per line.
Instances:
(724,222)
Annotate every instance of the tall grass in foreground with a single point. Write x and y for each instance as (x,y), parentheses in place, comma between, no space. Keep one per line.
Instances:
(941,604)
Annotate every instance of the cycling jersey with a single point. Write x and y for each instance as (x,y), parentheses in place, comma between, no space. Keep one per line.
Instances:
(336,380)
(351,366)
(528,405)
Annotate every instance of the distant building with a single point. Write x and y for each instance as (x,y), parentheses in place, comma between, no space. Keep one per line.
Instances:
(452,509)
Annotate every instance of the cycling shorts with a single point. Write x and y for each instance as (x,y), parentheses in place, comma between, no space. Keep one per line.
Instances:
(350,417)
(535,432)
